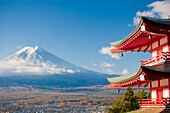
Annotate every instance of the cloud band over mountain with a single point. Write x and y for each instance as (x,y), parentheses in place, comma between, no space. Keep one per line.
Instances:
(35,60)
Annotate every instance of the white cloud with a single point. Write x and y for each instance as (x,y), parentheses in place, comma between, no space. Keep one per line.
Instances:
(124,72)
(93,64)
(22,67)
(107,51)
(109,68)
(107,65)
(159,9)
(110,71)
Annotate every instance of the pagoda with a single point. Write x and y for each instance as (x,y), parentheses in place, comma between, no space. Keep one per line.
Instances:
(153,36)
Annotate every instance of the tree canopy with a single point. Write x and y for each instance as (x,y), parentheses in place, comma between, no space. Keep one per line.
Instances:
(128,102)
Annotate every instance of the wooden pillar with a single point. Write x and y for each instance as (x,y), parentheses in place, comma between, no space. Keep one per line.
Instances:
(169,86)
(168,38)
(159,91)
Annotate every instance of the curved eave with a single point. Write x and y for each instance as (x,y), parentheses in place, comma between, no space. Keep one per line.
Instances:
(117,43)
(146,20)
(124,78)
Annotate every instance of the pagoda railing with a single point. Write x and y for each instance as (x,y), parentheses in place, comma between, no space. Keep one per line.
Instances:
(154,102)
(155,60)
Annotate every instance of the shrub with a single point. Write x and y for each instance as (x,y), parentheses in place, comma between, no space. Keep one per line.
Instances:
(128,103)
(141,94)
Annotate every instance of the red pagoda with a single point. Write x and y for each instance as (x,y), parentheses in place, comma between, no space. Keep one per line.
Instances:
(151,35)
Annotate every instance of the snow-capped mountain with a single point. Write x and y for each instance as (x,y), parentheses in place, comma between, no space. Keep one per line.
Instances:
(36,60)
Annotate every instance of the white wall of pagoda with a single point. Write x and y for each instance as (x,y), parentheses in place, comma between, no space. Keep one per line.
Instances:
(159,46)
(158,51)
(160,89)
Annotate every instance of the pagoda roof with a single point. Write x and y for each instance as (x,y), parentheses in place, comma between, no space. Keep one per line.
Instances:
(124,78)
(152,73)
(157,21)
(139,37)
(161,68)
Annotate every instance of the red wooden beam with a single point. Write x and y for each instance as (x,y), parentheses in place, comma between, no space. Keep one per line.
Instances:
(139,49)
(145,84)
(147,48)
(131,39)
(117,51)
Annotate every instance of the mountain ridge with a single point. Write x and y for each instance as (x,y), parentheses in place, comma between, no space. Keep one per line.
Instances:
(38,60)
(32,61)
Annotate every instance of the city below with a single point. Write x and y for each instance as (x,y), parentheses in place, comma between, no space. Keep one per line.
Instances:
(24,99)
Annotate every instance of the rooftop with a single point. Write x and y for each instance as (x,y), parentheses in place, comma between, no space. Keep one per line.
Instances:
(138,39)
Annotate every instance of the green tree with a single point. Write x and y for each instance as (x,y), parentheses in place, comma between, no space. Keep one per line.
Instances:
(116,107)
(141,94)
(130,101)
(109,110)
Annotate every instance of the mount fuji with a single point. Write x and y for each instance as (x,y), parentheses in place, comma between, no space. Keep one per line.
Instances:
(34,66)
(35,60)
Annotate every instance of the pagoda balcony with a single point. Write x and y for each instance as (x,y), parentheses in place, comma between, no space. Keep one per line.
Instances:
(153,61)
(154,102)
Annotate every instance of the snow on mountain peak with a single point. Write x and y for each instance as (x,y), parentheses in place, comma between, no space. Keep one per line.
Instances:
(28,49)
(36,47)
(36,60)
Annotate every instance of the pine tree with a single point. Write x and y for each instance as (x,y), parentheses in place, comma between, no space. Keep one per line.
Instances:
(130,101)
(141,94)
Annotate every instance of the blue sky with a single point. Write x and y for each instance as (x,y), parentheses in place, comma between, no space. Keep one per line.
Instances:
(76,30)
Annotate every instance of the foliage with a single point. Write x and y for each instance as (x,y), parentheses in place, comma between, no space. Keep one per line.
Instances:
(109,110)
(141,94)
(116,107)
(129,102)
